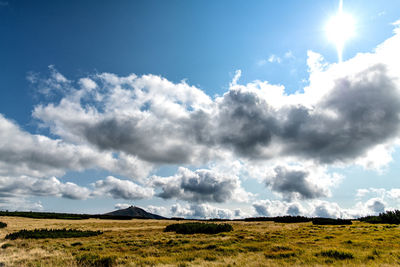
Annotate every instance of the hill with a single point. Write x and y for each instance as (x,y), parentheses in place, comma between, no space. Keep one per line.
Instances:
(135,212)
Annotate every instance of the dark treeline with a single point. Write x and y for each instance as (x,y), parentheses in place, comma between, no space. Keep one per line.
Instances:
(51,233)
(280,219)
(390,217)
(65,216)
(299,219)
(330,221)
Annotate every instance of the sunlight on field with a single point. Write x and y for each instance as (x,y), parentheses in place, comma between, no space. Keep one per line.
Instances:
(143,243)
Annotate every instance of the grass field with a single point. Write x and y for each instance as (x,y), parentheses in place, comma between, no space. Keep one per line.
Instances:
(144,243)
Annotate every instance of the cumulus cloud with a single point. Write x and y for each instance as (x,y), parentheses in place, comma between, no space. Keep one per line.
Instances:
(376,205)
(270,208)
(202,211)
(159,210)
(121,189)
(294,184)
(146,116)
(20,204)
(346,111)
(318,208)
(22,153)
(11,187)
(379,197)
(200,186)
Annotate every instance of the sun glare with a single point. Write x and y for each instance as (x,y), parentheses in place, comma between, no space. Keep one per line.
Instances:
(339,29)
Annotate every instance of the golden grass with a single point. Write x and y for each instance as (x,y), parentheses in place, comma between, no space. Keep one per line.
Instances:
(143,243)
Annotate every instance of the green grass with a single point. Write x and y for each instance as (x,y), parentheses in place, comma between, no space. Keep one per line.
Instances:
(255,243)
(95,260)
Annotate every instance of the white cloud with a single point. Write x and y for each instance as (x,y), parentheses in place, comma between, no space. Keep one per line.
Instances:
(12,187)
(202,211)
(121,189)
(163,211)
(347,114)
(87,84)
(318,208)
(20,204)
(120,206)
(274,59)
(22,153)
(201,186)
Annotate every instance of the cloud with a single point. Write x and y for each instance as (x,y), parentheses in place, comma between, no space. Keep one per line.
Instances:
(200,186)
(120,206)
(54,85)
(20,204)
(146,116)
(202,211)
(382,194)
(120,189)
(163,211)
(270,208)
(274,59)
(12,187)
(318,208)
(376,205)
(22,153)
(293,183)
(346,111)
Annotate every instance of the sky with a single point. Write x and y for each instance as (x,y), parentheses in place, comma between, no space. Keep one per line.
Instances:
(199,109)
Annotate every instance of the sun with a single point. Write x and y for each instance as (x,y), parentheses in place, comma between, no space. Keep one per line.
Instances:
(340,28)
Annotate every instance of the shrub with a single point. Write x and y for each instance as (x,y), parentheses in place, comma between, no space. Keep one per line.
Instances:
(198,228)
(6,245)
(338,255)
(95,260)
(280,255)
(291,219)
(329,221)
(3,225)
(52,233)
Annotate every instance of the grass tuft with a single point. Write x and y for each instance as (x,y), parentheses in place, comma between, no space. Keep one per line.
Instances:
(280,255)
(95,260)
(338,255)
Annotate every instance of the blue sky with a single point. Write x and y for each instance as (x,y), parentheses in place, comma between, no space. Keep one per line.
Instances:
(205,127)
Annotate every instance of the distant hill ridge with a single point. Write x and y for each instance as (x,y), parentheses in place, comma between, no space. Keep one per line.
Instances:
(135,212)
